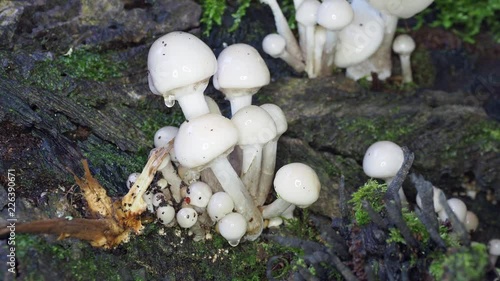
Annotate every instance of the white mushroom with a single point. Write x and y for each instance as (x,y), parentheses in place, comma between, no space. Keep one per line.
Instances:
(180,66)
(404,45)
(220,204)
(204,142)
(131,179)
(275,46)
(269,152)
(283,29)
(306,17)
(296,184)
(186,217)
(471,221)
(382,160)
(435,199)
(199,194)
(333,15)
(232,227)
(241,73)
(255,128)
(457,206)
(362,37)
(165,214)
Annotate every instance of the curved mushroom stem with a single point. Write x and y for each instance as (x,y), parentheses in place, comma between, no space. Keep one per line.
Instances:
(251,168)
(267,171)
(243,202)
(292,61)
(275,209)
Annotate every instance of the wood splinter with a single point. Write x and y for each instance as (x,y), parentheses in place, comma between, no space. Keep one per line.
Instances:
(111,222)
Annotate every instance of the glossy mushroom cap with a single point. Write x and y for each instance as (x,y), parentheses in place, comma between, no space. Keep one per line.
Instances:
(274,45)
(278,116)
(232,227)
(179,59)
(220,204)
(186,217)
(165,214)
(335,14)
(307,12)
(164,135)
(241,70)
(382,160)
(204,138)
(199,194)
(297,184)
(403,44)
(255,125)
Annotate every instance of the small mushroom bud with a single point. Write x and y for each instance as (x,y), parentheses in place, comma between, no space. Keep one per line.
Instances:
(186,217)
(219,205)
(232,227)
(165,214)
(199,194)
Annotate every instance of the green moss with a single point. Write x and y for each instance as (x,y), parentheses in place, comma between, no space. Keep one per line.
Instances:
(373,129)
(373,192)
(465,17)
(461,264)
(89,65)
(73,261)
(424,72)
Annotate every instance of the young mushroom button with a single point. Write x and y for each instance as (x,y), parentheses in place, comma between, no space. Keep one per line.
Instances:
(205,142)
(296,184)
(180,66)
(232,227)
(241,73)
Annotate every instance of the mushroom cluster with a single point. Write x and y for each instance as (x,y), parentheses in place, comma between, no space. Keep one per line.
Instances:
(198,186)
(357,35)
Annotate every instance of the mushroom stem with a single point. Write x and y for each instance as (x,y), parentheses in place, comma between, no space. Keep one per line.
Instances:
(267,171)
(319,45)
(251,168)
(238,102)
(283,29)
(191,100)
(275,209)
(170,174)
(243,202)
(406,68)
(329,51)
(310,51)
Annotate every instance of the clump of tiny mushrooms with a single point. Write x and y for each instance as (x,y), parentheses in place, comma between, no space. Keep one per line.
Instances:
(356,35)
(199,187)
